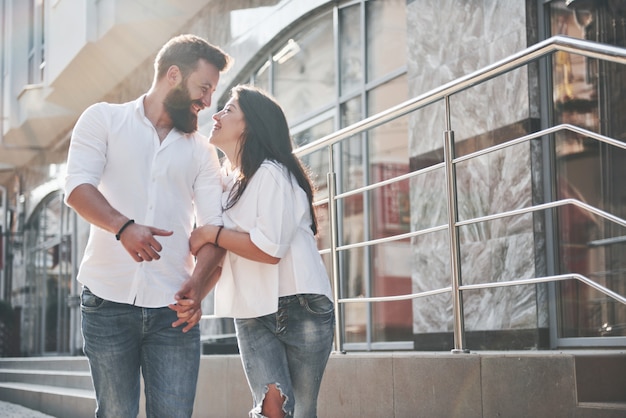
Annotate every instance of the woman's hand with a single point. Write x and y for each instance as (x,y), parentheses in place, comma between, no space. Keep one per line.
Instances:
(200,236)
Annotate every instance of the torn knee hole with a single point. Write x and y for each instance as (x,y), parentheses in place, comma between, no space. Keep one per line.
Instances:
(273,402)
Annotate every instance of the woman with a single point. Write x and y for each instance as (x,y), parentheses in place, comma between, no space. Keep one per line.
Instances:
(273,280)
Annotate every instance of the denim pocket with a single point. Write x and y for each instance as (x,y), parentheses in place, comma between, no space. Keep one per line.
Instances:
(89,301)
(317,304)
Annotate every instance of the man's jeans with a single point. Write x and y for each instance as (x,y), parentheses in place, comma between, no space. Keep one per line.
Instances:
(121,339)
(289,349)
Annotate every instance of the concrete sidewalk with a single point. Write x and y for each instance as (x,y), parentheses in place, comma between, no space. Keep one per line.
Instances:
(9,410)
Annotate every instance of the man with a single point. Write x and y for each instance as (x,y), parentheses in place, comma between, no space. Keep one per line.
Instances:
(139,172)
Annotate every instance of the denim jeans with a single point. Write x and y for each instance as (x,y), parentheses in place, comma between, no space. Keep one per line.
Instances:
(121,341)
(289,348)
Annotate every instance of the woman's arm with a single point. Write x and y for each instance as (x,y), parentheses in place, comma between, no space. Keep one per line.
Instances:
(234,241)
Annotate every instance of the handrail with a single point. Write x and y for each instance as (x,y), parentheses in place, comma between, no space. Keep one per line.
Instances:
(500,215)
(543,133)
(556,43)
(480,286)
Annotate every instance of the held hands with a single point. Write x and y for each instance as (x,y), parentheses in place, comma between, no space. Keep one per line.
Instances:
(202,235)
(140,243)
(188,305)
(189,298)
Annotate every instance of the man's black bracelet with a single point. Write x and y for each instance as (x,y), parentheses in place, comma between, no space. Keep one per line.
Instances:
(119,233)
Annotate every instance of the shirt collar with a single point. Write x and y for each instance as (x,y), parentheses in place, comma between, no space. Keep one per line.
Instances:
(141,112)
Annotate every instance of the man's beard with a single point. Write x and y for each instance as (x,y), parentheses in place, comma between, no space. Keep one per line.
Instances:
(178,105)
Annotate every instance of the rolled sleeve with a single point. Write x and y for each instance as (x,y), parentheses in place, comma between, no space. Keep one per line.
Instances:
(87,152)
(208,188)
(275,221)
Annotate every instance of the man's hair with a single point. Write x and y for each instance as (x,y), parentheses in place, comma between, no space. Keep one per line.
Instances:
(185,51)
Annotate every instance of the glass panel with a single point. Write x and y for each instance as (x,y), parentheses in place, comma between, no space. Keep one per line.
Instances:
(42,43)
(304,70)
(590,172)
(386,37)
(388,143)
(351,149)
(392,321)
(262,77)
(390,215)
(350,49)
(354,279)
(31,24)
(31,42)
(316,162)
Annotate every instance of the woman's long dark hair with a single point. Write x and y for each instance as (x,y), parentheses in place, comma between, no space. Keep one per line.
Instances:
(266,137)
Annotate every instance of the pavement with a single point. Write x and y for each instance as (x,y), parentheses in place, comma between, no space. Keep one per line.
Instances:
(10,410)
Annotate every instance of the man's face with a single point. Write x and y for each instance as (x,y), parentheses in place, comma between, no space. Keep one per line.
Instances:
(178,104)
(190,96)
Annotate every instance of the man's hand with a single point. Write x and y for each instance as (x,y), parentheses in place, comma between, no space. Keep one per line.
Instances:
(140,243)
(137,239)
(204,277)
(188,310)
(189,298)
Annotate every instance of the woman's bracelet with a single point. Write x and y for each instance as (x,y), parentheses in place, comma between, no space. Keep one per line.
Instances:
(119,233)
(217,236)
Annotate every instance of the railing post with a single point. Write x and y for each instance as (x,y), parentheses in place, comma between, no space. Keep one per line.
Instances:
(334,261)
(455,259)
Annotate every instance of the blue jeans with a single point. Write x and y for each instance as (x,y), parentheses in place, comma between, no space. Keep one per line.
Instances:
(121,341)
(289,348)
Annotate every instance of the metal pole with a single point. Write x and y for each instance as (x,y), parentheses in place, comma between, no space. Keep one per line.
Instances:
(4,233)
(455,260)
(334,262)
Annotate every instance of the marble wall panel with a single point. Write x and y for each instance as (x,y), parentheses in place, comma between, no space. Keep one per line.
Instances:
(447,40)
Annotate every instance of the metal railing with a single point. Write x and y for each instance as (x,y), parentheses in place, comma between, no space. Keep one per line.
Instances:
(524,57)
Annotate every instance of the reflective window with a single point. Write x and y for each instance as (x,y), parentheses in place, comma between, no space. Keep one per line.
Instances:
(304,69)
(36,46)
(350,49)
(48,278)
(589,171)
(262,76)
(386,37)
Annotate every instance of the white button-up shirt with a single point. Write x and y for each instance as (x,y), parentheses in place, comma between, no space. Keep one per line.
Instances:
(274,210)
(116,148)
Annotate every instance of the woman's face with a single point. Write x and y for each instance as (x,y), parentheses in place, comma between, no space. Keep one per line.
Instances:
(228,128)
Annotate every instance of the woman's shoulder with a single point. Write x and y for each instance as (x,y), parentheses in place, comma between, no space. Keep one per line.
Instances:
(272,165)
(273,169)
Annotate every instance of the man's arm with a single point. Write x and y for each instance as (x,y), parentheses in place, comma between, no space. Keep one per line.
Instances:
(137,239)
(204,277)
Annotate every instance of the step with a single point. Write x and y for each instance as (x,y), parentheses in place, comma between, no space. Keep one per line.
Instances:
(68,379)
(51,400)
(601,409)
(45,363)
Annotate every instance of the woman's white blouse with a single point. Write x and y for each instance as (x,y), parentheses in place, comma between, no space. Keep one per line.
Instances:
(274,211)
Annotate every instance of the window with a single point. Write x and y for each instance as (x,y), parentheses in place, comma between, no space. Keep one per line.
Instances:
(36,44)
(589,171)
